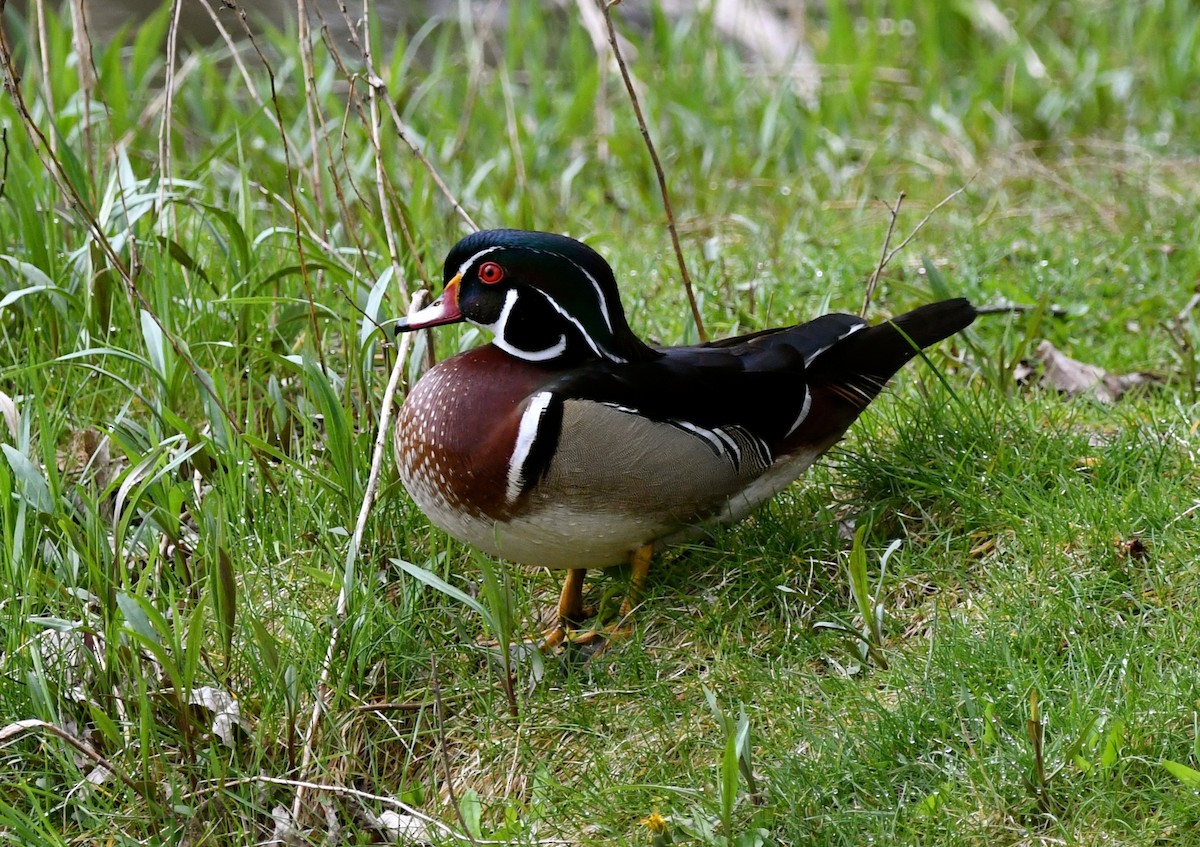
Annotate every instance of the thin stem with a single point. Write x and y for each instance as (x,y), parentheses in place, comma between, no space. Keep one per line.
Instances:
(887,255)
(290,172)
(86,67)
(15,730)
(55,168)
(658,169)
(347,791)
(884,256)
(441,730)
(322,700)
(381,180)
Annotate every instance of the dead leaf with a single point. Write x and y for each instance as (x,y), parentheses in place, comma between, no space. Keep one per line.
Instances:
(98,775)
(403,829)
(286,832)
(1134,548)
(88,461)
(333,826)
(1023,372)
(88,455)
(227,713)
(1073,377)
(845,528)
(72,654)
(396,827)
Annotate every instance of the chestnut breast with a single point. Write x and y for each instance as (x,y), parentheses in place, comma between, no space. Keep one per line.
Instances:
(456,431)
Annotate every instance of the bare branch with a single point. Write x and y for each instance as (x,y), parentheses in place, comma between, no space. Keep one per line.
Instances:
(887,255)
(884,256)
(381,440)
(441,730)
(70,192)
(13,731)
(606,7)
(347,791)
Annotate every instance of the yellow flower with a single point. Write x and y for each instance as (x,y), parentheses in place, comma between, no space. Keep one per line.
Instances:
(654,822)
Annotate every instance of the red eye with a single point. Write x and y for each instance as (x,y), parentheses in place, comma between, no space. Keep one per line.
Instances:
(491,273)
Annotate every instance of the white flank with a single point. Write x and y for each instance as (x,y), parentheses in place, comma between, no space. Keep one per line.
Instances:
(526,435)
(599,292)
(707,434)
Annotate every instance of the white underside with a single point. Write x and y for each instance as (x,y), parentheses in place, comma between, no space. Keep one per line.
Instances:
(562,535)
(617,482)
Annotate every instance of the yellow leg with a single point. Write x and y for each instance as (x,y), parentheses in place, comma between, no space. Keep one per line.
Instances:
(570,602)
(640,567)
(570,608)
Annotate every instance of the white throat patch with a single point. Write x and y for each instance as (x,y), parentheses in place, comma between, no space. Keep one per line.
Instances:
(498,327)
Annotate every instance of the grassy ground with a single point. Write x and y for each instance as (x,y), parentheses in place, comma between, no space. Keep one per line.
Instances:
(189,354)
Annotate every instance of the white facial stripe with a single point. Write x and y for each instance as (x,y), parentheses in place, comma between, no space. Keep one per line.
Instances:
(557,349)
(497,329)
(465,266)
(599,292)
(600,299)
(527,434)
(591,342)
(510,300)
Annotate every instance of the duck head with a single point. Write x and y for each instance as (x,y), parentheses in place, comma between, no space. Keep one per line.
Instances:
(545,297)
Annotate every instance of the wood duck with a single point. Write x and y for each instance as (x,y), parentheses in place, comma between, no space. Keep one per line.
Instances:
(567,442)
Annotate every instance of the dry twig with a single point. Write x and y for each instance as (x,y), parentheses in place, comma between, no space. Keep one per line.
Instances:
(45,150)
(15,730)
(346,791)
(893,212)
(887,255)
(360,525)
(606,7)
(441,730)
(289,171)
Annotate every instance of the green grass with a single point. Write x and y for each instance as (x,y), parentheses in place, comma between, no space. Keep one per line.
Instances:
(178,499)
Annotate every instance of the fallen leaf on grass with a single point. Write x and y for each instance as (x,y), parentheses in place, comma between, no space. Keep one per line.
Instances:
(397,827)
(286,832)
(87,455)
(1073,377)
(1132,548)
(404,829)
(226,711)
(1024,372)
(71,654)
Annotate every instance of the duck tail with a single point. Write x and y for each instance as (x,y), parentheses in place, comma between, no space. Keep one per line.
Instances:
(858,366)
